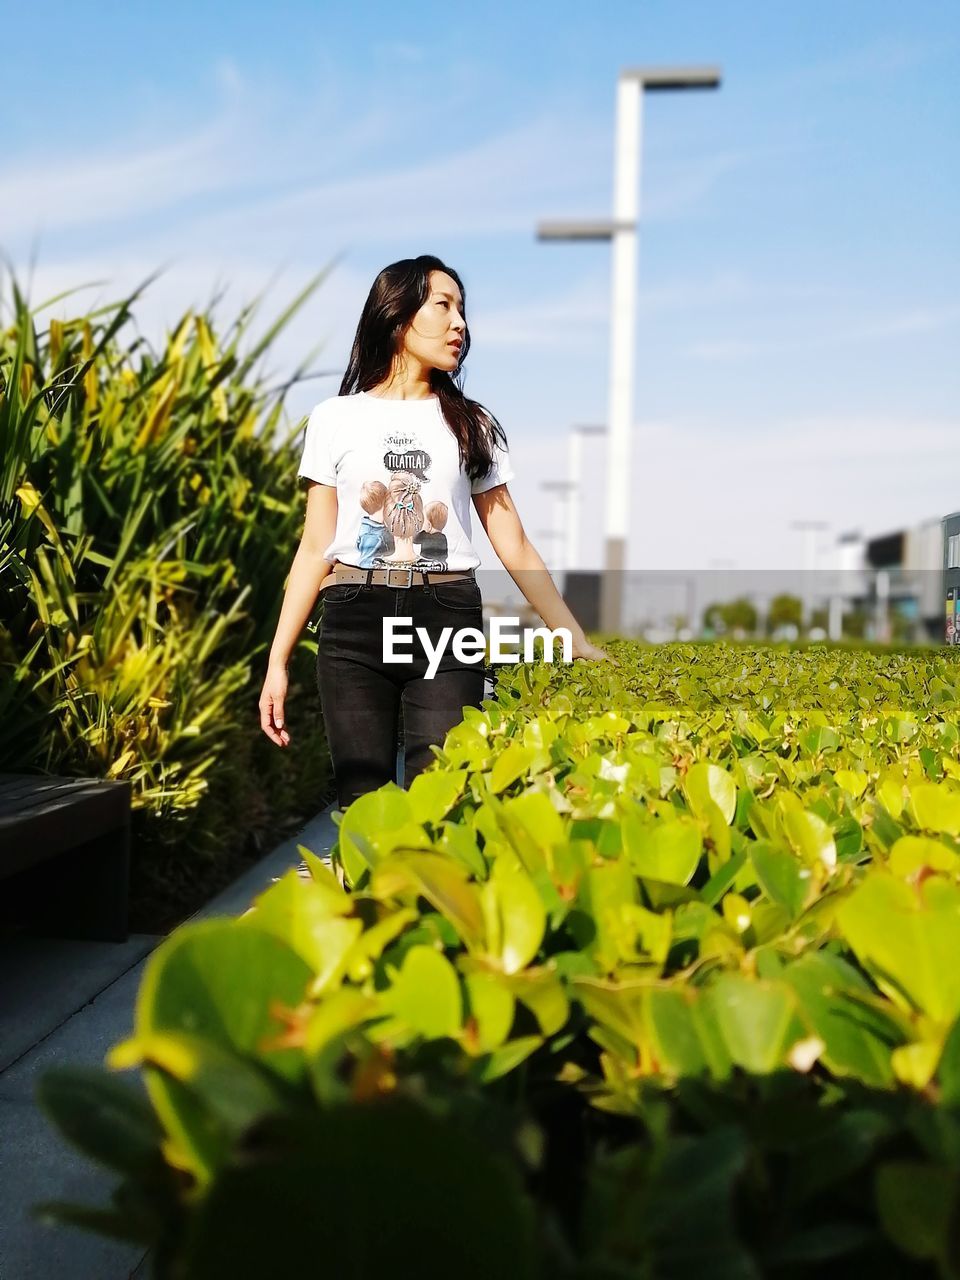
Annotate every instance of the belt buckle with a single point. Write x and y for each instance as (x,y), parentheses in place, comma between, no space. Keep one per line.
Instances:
(404,585)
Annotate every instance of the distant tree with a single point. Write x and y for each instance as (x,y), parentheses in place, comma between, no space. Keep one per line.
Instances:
(855,623)
(740,615)
(784,611)
(903,627)
(713,619)
(733,615)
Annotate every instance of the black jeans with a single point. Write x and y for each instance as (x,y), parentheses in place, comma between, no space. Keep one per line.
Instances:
(361,695)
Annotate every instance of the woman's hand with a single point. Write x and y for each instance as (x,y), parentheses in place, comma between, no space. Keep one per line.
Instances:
(272,698)
(582,648)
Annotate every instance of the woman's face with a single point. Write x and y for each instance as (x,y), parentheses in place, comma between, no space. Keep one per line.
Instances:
(437,328)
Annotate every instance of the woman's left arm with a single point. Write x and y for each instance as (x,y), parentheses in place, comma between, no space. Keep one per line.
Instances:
(502,525)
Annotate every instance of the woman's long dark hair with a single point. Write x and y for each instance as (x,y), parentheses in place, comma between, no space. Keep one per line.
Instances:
(395,297)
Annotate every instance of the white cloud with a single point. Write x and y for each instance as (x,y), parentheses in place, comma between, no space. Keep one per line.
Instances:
(229,77)
(882,57)
(911,320)
(708,490)
(498,185)
(688,184)
(269,170)
(566,319)
(726,349)
(400,51)
(897,324)
(263,171)
(114,184)
(581,312)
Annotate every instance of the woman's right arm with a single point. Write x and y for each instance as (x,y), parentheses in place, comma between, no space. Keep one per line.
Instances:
(308,570)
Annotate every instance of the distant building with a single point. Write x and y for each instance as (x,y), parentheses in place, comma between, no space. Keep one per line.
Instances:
(913,561)
(849,555)
(581,595)
(901,576)
(950,591)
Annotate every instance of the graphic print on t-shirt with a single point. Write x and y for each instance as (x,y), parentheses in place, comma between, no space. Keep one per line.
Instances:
(399,528)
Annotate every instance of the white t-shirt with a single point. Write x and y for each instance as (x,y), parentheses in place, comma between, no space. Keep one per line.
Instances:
(402,497)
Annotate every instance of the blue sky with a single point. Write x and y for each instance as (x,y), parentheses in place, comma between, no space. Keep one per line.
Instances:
(799,272)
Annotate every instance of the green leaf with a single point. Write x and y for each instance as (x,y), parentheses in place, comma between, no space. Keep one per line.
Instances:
(696,1183)
(705,783)
(430,1178)
(459,842)
(533,827)
(910,937)
(370,945)
(321,875)
(910,854)
(234,1090)
(596,924)
(433,794)
(103,1117)
(666,849)
(948,1070)
(918,1205)
(492,1008)
(332,1021)
(374,825)
(852,781)
(445,884)
(309,918)
(466,747)
(511,897)
(510,765)
(426,994)
(936,807)
(542,991)
(506,1058)
(115,1224)
(617,1006)
(810,837)
(674,1032)
(890,791)
(858,1038)
(782,877)
(219,980)
(723,878)
(757,1020)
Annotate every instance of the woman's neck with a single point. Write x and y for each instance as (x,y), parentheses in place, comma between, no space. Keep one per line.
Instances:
(405,385)
(420,392)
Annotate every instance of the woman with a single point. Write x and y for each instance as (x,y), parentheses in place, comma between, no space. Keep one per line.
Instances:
(400,422)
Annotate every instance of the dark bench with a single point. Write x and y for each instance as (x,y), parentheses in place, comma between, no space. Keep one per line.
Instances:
(65,854)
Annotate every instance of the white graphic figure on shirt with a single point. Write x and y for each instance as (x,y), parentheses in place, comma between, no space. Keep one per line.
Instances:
(404,519)
(403,515)
(373,539)
(431,538)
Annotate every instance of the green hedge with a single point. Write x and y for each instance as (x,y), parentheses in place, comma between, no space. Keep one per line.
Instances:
(657,973)
(149,512)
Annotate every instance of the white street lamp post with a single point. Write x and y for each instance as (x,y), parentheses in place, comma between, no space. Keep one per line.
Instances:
(622,231)
(810,529)
(575,478)
(562,491)
(548,536)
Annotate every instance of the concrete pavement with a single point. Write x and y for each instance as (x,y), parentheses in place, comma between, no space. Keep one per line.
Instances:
(68,1002)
